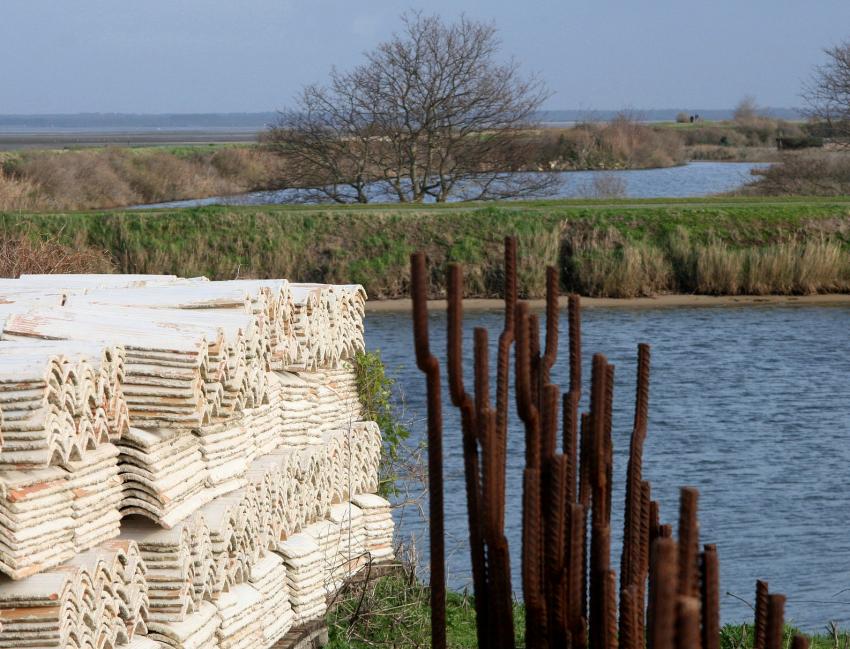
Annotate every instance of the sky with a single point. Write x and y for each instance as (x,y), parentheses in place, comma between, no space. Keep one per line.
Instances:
(177,56)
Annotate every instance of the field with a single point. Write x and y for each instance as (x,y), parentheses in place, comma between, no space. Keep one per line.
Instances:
(718,246)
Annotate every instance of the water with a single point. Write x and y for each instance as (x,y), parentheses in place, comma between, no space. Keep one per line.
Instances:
(749,404)
(692,179)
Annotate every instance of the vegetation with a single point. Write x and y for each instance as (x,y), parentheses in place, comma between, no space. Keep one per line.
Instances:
(376,391)
(828,92)
(823,174)
(430,113)
(115,177)
(392,612)
(21,254)
(622,143)
(605,248)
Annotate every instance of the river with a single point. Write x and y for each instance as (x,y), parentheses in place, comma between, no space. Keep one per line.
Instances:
(749,404)
(689,180)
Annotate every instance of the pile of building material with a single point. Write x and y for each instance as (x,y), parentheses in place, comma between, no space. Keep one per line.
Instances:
(180,459)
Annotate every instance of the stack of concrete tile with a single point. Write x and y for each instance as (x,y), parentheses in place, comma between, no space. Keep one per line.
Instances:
(196,631)
(36,521)
(268,577)
(378,523)
(163,473)
(96,487)
(219,419)
(305,577)
(38,398)
(94,601)
(239,610)
(298,426)
(226,448)
(170,568)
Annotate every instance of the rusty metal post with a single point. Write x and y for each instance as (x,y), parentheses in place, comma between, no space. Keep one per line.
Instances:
(775,622)
(663,582)
(506,339)
(576,588)
(461,399)
(536,634)
(688,542)
(574,314)
(429,365)
(629,607)
(634,471)
(760,624)
(687,623)
(800,642)
(710,591)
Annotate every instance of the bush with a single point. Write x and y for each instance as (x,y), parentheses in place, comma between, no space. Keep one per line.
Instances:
(376,392)
(20,255)
(804,174)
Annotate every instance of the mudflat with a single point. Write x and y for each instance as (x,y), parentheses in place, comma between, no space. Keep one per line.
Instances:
(660,301)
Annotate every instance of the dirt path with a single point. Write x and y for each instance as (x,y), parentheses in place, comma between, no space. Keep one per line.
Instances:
(662,301)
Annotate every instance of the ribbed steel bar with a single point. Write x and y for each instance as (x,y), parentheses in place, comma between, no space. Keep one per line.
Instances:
(506,340)
(760,626)
(775,621)
(710,592)
(687,623)
(536,634)
(429,365)
(577,569)
(550,354)
(799,642)
(661,617)
(462,400)
(688,542)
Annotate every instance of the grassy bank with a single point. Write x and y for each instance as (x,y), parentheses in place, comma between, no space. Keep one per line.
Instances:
(614,249)
(393,612)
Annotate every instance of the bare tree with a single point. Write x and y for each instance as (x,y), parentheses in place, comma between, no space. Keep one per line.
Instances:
(431,114)
(747,110)
(828,91)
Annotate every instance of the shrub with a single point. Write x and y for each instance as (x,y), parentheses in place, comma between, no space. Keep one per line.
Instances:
(20,254)
(807,174)
(376,392)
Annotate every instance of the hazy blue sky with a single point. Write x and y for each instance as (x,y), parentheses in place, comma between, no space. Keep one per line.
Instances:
(252,55)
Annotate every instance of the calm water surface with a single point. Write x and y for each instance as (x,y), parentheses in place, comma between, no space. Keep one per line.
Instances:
(749,404)
(692,179)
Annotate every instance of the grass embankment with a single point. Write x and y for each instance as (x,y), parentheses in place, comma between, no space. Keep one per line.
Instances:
(614,249)
(394,612)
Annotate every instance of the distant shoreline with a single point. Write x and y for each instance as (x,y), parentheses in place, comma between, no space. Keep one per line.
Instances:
(67,139)
(661,301)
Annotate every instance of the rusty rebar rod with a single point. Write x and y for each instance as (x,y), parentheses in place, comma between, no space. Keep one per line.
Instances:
(661,617)
(462,400)
(687,623)
(775,621)
(574,315)
(688,542)
(629,636)
(536,634)
(429,365)
(550,354)
(506,340)
(799,642)
(760,623)
(634,471)
(710,592)
(577,569)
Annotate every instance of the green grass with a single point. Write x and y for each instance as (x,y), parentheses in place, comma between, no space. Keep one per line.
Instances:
(371,244)
(395,613)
